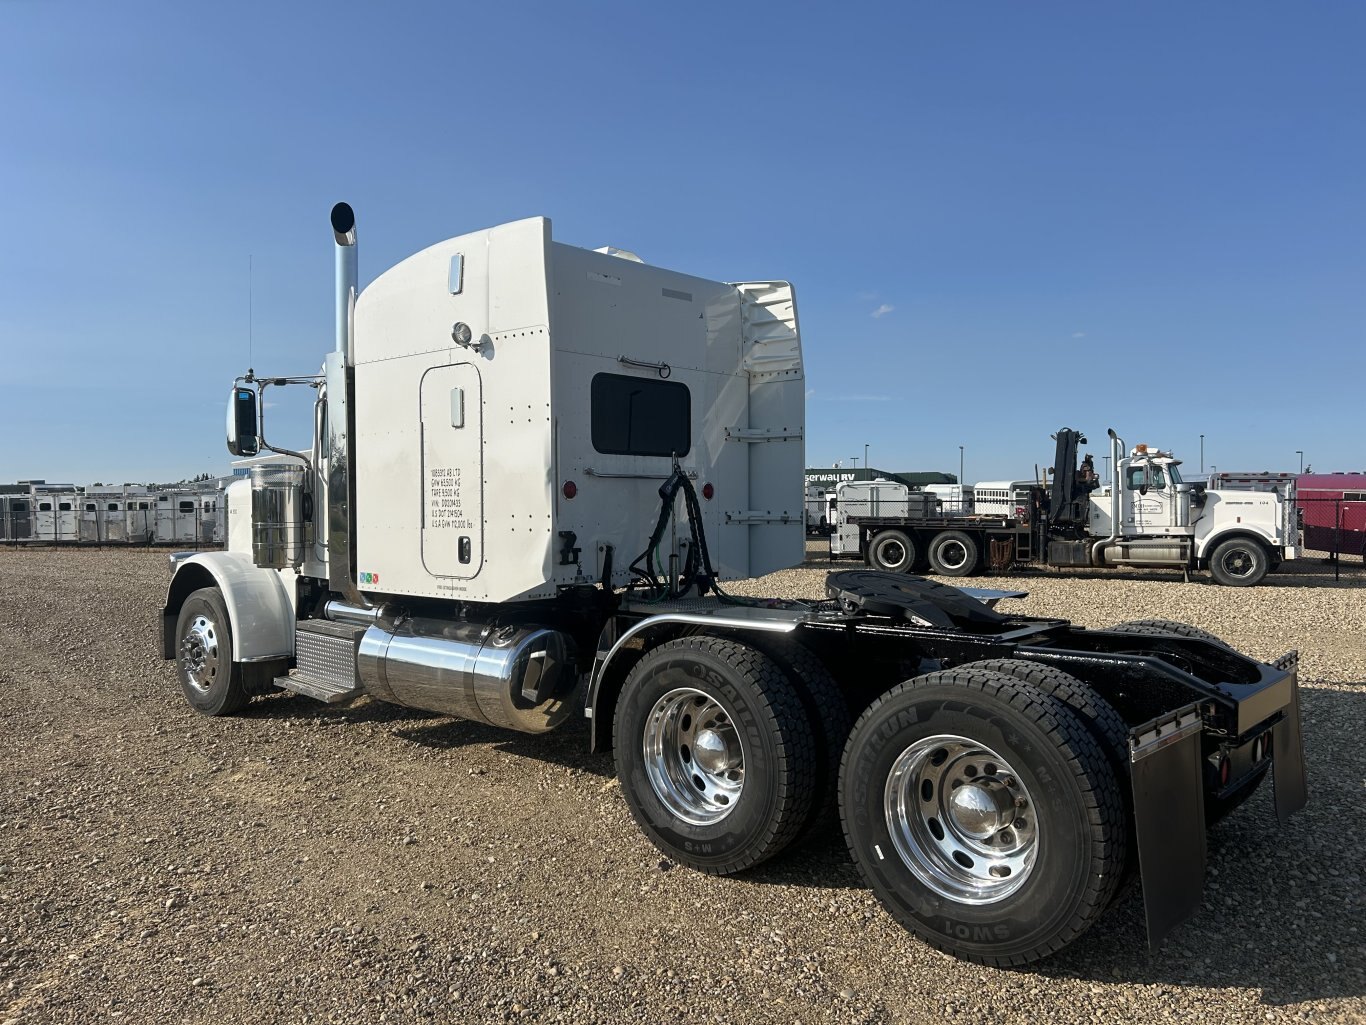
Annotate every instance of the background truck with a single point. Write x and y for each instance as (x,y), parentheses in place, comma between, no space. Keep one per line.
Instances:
(1146,514)
(534,466)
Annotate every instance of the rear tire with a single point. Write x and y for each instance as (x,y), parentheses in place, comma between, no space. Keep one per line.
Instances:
(210,680)
(954,554)
(827,709)
(1039,788)
(1164,627)
(892,551)
(715,753)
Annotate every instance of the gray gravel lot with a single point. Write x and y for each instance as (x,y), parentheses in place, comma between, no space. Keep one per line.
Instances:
(304,863)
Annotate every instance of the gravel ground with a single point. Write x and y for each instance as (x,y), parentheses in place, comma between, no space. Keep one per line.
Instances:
(305,863)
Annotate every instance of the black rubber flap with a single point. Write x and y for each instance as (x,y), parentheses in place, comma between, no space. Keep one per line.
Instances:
(924,602)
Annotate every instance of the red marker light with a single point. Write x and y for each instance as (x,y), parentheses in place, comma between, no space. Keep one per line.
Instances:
(708,491)
(570,489)
(1223,771)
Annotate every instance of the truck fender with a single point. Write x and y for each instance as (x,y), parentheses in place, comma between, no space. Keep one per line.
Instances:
(616,656)
(259,607)
(1207,544)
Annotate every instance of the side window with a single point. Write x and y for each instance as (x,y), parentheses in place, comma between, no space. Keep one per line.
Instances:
(187,507)
(113,507)
(143,505)
(45,507)
(1354,496)
(64,507)
(89,506)
(1157,481)
(634,416)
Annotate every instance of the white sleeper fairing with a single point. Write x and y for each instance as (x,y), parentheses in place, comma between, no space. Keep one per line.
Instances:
(518,403)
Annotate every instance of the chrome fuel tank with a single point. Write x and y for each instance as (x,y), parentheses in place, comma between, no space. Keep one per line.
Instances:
(517,677)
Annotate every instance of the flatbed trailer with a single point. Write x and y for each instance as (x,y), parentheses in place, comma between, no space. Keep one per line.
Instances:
(1144,515)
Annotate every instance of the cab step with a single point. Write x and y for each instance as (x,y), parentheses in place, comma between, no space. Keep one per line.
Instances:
(325,661)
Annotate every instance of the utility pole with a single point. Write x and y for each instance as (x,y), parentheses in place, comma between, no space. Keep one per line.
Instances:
(1300,452)
(1202,453)
(960,464)
(854,460)
(865,456)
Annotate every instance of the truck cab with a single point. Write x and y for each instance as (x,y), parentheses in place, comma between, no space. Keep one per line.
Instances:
(1165,520)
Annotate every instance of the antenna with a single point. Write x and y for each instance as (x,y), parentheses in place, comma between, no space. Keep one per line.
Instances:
(249,339)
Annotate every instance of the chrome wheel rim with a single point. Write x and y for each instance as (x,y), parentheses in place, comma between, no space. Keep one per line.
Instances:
(694,756)
(199,654)
(961,819)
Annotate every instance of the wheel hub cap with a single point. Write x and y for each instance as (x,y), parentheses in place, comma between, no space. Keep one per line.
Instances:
(199,652)
(712,750)
(979,810)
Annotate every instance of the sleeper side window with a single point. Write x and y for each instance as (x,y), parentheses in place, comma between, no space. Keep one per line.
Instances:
(635,416)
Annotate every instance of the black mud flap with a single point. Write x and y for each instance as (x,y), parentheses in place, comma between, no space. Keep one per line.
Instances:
(1169,817)
(1287,747)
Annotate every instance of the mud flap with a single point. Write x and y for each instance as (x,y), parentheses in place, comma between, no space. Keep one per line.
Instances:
(1169,817)
(1287,747)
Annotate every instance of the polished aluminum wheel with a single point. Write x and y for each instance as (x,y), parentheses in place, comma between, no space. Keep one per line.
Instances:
(961,819)
(199,654)
(694,757)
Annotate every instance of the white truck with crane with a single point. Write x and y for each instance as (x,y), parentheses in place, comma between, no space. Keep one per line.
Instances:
(1146,514)
(506,421)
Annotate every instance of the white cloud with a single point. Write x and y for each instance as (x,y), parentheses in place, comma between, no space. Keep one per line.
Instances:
(810,392)
(882,311)
(1078,334)
(857,398)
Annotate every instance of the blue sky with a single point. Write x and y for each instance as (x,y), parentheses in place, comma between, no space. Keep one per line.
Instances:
(1000,218)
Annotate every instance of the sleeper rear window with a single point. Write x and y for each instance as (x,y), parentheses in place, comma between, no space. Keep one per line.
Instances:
(635,416)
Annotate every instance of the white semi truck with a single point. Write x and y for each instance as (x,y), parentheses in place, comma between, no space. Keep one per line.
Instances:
(1146,514)
(532,470)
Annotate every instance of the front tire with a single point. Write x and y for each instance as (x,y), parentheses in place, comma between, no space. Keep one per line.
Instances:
(892,551)
(983,814)
(715,753)
(210,680)
(1239,562)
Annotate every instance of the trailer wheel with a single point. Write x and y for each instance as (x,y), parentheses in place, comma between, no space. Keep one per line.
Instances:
(715,753)
(1239,562)
(954,554)
(210,680)
(892,551)
(984,815)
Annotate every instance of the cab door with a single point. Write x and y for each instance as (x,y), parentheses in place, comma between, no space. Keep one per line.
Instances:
(1148,500)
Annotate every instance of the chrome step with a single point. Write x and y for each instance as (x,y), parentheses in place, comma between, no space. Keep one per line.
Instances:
(325,661)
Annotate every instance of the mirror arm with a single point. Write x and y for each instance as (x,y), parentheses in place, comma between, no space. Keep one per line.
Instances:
(262,383)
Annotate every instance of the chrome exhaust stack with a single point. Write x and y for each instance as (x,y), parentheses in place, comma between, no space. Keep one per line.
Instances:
(341,486)
(344,233)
